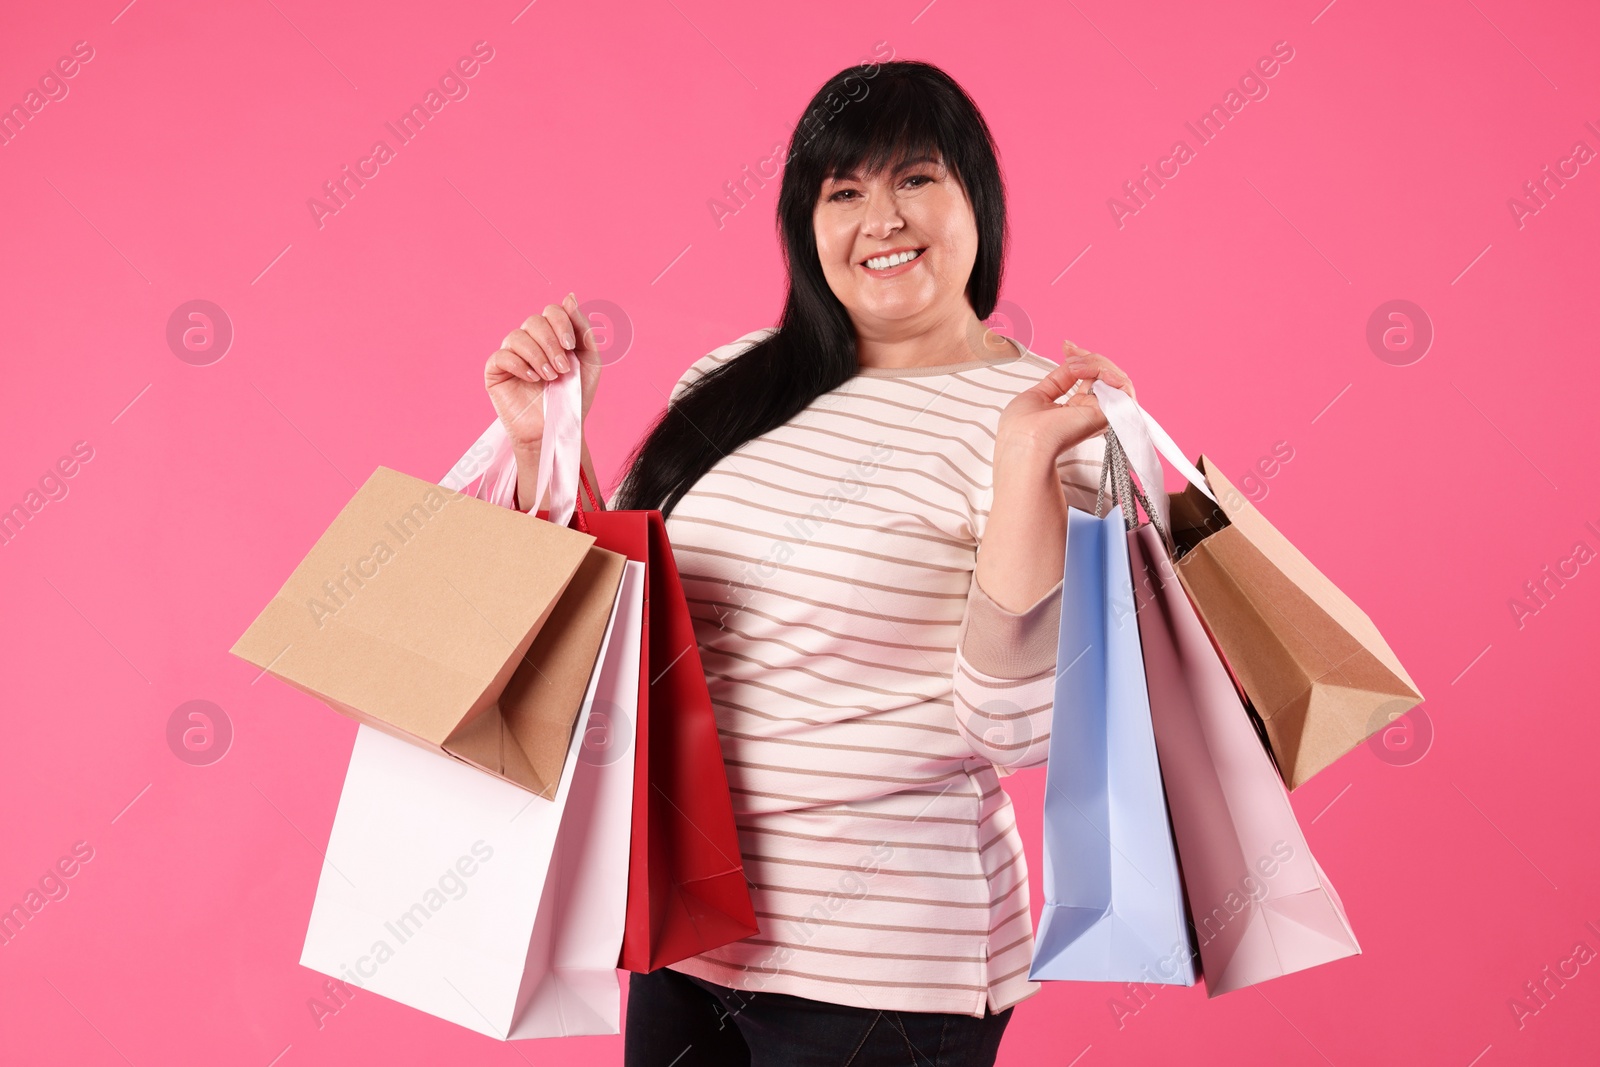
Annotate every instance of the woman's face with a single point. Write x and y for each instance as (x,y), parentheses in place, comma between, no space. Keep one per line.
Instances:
(921,207)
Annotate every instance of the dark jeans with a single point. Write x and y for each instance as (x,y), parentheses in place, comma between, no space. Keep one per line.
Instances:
(677,1020)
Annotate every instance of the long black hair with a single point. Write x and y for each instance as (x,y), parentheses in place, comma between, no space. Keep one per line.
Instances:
(870,121)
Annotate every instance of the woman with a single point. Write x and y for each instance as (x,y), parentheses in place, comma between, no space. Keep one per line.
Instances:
(827,483)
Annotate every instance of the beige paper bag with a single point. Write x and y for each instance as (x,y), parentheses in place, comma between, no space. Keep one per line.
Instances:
(419,607)
(1312,664)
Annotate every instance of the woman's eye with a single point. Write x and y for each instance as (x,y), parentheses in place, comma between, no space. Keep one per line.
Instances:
(923,179)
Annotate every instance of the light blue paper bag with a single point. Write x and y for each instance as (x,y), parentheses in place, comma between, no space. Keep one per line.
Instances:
(1114,905)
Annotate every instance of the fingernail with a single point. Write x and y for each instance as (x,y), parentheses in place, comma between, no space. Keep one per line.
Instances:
(531,375)
(573,297)
(561,361)
(568,341)
(549,374)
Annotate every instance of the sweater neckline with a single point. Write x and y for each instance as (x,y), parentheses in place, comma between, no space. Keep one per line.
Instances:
(942,368)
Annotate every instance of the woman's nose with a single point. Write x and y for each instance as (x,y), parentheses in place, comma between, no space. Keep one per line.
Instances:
(882,219)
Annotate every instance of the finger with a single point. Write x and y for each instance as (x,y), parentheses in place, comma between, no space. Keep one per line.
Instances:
(523,344)
(588,345)
(544,335)
(1092,365)
(506,364)
(555,316)
(1081,359)
(1057,383)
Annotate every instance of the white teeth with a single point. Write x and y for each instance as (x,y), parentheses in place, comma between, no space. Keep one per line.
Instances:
(885,262)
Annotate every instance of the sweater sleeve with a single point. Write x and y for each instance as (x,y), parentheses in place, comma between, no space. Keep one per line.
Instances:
(1004,680)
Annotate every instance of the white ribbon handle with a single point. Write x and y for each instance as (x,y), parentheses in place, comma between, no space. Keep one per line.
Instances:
(1145,442)
(490,461)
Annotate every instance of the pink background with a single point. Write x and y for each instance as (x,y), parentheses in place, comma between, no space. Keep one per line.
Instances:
(1379,167)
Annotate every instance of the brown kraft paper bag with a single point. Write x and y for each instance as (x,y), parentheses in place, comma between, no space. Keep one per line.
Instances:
(447,621)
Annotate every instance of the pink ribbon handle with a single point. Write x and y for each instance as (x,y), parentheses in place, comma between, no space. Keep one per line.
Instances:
(488,471)
(561,447)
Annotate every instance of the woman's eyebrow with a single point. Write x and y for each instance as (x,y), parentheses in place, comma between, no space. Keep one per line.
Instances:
(902,166)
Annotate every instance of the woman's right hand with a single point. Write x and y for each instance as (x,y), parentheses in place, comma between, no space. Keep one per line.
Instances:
(557,341)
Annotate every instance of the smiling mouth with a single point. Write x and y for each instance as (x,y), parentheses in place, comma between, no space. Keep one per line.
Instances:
(899,259)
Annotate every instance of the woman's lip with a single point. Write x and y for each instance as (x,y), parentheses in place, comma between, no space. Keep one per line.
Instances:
(892,271)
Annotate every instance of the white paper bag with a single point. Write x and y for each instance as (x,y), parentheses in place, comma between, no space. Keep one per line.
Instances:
(461,895)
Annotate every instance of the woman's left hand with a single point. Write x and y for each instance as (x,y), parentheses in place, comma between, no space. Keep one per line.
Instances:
(1034,416)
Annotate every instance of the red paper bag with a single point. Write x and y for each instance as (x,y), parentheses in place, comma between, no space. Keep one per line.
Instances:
(686,885)
(687,892)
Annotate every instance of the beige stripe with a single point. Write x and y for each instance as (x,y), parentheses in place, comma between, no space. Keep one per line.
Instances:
(920,498)
(998,717)
(877,616)
(926,957)
(1020,884)
(898,793)
(859,687)
(800,542)
(920,476)
(789,568)
(860,981)
(876,528)
(983,461)
(928,409)
(875,720)
(784,493)
(1013,861)
(960,399)
(880,898)
(899,449)
(963,849)
(959,547)
(876,778)
(1073,490)
(877,898)
(922,504)
(1003,747)
(1003,835)
(829,921)
(1002,683)
(751,857)
(943,650)
(847,811)
(1022,914)
(838,747)
(1024,969)
(763,644)
(1023,941)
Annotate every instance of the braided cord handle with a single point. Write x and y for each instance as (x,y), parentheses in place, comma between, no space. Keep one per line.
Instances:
(1124,490)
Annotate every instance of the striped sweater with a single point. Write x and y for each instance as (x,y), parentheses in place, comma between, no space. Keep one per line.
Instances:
(868,693)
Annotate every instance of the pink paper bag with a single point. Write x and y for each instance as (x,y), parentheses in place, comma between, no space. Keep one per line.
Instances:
(1261,905)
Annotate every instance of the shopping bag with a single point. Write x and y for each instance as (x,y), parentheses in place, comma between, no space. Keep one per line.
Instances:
(460,895)
(414,609)
(1114,907)
(687,892)
(1260,903)
(1313,666)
